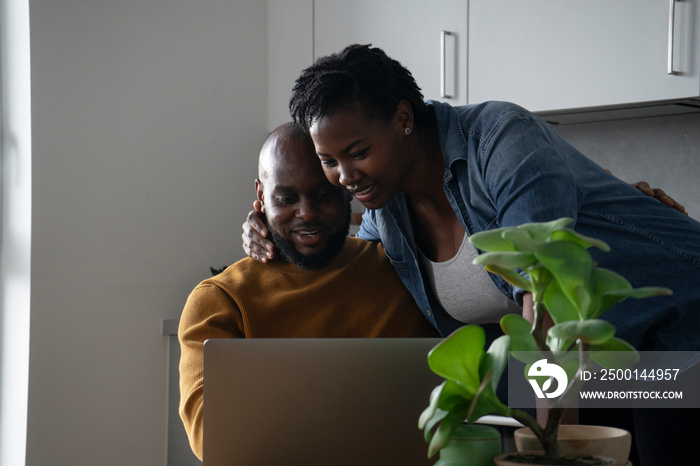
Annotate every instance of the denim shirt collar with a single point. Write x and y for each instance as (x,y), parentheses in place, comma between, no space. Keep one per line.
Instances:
(453,141)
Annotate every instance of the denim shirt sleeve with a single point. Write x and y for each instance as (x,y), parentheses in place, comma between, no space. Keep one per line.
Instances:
(368,229)
(520,165)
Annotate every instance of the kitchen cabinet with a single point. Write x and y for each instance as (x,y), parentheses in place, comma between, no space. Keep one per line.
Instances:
(408,31)
(558,54)
(570,61)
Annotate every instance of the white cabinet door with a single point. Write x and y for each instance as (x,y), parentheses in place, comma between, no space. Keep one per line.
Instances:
(560,54)
(408,31)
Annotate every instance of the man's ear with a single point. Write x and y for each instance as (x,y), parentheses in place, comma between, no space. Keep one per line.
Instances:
(259,193)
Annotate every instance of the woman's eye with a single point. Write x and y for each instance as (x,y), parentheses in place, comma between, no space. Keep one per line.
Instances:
(359,154)
(328,162)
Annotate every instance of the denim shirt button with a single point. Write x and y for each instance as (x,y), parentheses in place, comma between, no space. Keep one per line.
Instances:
(415,262)
(429,312)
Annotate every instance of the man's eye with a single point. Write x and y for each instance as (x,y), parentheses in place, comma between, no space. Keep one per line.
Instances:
(325,193)
(286,199)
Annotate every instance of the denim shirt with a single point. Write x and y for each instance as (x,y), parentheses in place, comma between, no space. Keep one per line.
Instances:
(504,166)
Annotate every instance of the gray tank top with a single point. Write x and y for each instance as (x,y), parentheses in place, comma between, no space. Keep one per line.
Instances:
(466,291)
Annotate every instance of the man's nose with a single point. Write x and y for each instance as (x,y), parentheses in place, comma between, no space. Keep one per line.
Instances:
(307,208)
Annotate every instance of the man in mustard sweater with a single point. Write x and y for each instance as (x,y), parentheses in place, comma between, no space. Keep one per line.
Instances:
(323,284)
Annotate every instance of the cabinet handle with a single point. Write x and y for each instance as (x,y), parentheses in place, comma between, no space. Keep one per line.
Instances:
(443,64)
(671,27)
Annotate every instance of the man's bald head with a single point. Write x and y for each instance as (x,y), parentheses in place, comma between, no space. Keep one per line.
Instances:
(287,141)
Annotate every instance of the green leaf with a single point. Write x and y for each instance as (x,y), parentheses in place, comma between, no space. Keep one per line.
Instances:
(570,264)
(610,288)
(518,329)
(453,395)
(491,241)
(519,238)
(496,359)
(506,260)
(459,355)
(594,332)
(643,292)
(446,399)
(486,403)
(477,403)
(540,278)
(614,354)
(568,234)
(584,299)
(444,430)
(515,325)
(432,408)
(511,276)
(603,282)
(556,344)
(613,296)
(559,306)
(432,422)
(542,231)
(494,241)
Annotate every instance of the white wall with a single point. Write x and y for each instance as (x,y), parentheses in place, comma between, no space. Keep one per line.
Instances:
(290,50)
(147,118)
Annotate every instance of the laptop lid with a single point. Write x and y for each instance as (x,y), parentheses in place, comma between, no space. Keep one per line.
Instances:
(316,401)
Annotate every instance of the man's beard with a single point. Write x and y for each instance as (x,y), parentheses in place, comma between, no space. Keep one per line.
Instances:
(289,253)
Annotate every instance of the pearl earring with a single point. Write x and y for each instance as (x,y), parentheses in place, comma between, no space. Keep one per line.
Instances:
(408,131)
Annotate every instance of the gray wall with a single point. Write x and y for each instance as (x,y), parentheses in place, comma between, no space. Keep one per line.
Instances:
(664,151)
(147,117)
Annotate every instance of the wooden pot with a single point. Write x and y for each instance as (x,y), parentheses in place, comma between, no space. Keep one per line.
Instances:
(501,460)
(581,440)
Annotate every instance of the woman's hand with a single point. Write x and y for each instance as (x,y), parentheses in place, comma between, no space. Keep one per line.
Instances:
(255,242)
(659,194)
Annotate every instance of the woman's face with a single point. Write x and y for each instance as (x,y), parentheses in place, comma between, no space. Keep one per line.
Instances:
(366,156)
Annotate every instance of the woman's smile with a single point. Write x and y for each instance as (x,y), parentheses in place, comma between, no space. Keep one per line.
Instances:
(363,194)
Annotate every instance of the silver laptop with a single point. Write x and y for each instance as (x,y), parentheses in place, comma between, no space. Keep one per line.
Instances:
(316,401)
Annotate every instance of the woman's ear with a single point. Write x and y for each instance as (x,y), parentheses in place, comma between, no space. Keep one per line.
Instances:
(404,116)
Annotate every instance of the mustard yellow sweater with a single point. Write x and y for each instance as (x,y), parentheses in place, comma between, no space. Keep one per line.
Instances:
(357,295)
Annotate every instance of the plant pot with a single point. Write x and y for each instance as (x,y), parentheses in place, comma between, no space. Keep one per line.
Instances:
(505,459)
(581,440)
(471,445)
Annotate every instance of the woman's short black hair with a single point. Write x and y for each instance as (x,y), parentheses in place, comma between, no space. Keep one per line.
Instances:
(359,74)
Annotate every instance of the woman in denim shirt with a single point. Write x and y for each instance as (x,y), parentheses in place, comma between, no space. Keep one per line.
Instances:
(431,174)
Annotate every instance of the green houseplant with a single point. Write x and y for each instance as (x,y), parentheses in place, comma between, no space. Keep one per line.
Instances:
(553,263)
